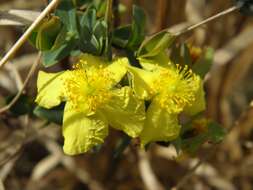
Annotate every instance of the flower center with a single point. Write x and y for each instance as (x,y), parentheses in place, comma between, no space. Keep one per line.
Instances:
(88,88)
(176,88)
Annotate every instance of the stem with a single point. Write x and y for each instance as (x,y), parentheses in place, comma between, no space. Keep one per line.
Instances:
(108,14)
(223,13)
(108,19)
(28,32)
(15,99)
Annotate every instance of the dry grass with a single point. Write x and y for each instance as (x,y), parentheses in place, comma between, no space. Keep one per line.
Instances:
(31,156)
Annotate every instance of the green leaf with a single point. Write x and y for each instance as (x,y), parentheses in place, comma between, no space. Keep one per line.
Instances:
(66,11)
(214,134)
(91,47)
(204,63)
(88,19)
(68,36)
(177,143)
(60,50)
(121,36)
(44,36)
(131,36)
(50,58)
(92,32)
(138,28)
(155,44)
(32,37)
(191,145)
(54,115)
(47,33)
(23,105)
(99,31)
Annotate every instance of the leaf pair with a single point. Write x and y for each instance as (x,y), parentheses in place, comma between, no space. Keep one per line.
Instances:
(70,30)
(131,36)
(92,32)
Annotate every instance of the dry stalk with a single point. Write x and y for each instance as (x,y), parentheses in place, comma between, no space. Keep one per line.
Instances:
(212,18)
(147,174)
(28,32)
(30,74)
(223,57)
(1,185)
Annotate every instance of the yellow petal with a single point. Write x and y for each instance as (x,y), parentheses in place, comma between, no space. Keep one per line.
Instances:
(151,64)
(89,61)
(199,104)
(114,70)
(50,89)
(79,91)
(159,125)
(125,112)
(117,69)
(142,82)
(80,132)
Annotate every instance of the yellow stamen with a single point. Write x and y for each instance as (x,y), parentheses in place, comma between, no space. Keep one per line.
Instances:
(175,88)
(88,86)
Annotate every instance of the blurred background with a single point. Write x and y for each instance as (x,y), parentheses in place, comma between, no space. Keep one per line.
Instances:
(31,157)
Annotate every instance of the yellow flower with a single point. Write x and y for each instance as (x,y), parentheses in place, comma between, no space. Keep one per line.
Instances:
(93,102)
(172,89)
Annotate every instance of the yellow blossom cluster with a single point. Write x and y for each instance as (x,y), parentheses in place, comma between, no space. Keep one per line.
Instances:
(95,100)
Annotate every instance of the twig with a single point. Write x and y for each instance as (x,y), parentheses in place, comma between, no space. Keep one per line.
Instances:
(31,72)
(12,69)
(7,168)
(222,57)
(70,164)
(185,178)
(27,33)
(18,17)
(244,121)
(1,185)
(192,171)
(195,26)
(150,180)
(221,14)
(108,19)
(22,140)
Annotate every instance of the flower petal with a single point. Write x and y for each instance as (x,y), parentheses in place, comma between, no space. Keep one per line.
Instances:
(142,82)
(151,64)
(159,125)
(125,112)
(117,70)
(80,132)
(50,89)
(88,61)
(199,104)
